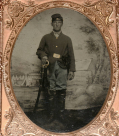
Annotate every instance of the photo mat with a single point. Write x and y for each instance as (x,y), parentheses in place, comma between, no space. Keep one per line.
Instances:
(110,98)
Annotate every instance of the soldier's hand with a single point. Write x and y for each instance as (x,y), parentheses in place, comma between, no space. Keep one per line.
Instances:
(70,75)
(44,59)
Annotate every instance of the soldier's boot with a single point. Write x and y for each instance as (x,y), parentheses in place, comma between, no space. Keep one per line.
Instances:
(52,106)
(60,95)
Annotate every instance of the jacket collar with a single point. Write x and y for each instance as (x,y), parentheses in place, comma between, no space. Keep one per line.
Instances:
(52,33)
(57,33)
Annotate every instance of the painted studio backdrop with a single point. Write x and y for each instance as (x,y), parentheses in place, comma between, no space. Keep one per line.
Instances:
(92,77)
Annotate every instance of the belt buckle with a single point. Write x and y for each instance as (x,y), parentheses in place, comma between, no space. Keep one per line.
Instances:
(55,55)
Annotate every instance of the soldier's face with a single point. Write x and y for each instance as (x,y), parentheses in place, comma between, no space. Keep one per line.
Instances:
(57,25)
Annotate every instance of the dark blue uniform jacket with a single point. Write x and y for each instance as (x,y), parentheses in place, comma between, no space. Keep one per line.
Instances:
(51,45)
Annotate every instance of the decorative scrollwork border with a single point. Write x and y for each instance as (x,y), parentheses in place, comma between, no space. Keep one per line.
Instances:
(101,18)
(1,55)
(117,9)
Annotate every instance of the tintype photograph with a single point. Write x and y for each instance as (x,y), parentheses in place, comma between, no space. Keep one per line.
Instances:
(60,70)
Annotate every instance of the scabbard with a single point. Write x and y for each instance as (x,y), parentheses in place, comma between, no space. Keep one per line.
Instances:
(37,100)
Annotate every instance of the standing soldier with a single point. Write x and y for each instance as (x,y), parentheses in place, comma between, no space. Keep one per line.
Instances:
(58,50)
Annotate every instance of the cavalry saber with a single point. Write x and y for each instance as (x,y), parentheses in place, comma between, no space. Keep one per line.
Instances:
(43,83)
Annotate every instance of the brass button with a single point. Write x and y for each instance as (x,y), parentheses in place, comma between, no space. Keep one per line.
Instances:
(56,46)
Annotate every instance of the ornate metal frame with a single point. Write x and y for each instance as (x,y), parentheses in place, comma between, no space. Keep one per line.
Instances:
(13,16)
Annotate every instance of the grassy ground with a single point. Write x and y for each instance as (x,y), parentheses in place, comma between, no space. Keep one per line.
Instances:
(72,119)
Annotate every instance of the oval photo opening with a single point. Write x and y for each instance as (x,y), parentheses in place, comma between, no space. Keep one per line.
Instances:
(60,70)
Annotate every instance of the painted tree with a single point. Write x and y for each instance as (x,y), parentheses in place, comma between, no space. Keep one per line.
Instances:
(96,46)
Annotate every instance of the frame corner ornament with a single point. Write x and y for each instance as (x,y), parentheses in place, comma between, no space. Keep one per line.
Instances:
(4,3)
(9,115)
(110,126)
(12,126)
(103,8)
(15,11)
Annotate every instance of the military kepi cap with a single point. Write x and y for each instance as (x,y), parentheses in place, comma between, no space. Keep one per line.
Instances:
(56,17)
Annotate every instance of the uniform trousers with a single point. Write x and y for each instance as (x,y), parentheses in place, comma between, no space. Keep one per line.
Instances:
(57,90)
(58,78)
